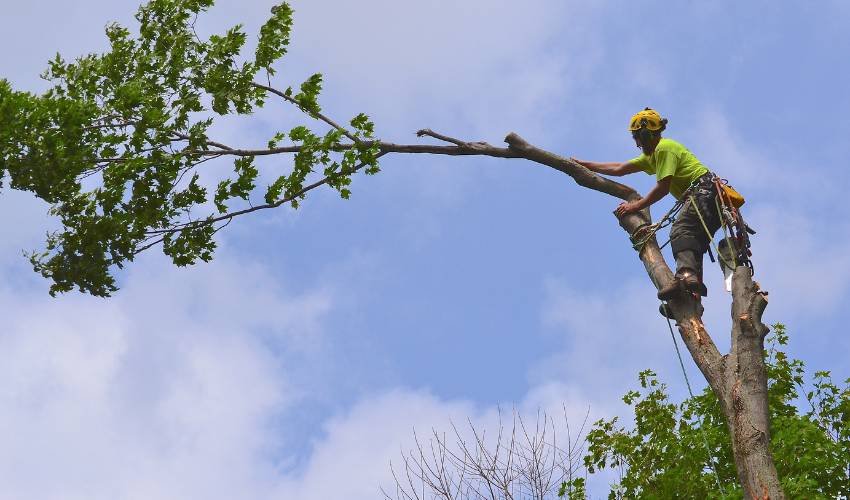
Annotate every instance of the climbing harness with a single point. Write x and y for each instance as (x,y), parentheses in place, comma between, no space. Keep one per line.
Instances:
(735,231)
(691,393)
(738,237)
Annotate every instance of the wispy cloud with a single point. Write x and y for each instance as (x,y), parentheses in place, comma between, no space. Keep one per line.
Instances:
(168,391)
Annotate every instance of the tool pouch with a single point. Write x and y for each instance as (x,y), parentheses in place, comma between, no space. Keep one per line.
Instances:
(733,197)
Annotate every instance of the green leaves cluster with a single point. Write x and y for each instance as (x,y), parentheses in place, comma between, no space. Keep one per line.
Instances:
(116,144)
(674,450)
(319,151)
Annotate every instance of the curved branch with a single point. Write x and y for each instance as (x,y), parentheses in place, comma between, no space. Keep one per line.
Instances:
(231,215)
(320,116)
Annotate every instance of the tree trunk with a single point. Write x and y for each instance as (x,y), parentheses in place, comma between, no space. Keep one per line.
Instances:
(745,393)
(739,378)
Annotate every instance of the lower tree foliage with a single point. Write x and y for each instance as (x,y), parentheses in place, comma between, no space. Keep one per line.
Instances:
(683,451)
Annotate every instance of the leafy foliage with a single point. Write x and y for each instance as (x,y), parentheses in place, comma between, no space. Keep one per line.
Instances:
(674,450)
(115,144)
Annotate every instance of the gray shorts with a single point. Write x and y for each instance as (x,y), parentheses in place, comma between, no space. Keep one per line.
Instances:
(688,232)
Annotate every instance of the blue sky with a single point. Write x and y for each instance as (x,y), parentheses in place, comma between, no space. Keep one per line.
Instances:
(304,356)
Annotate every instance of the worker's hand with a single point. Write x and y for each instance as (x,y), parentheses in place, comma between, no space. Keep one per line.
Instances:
(580,162)
(627,207)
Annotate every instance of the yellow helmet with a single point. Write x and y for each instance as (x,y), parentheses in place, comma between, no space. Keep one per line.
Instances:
(649,119)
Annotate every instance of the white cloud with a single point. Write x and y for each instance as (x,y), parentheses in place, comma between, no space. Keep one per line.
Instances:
(803,261)
(23,223)
(474,69)
(410,61)
(353,459)
(151,396)
(170,390)
(608,338)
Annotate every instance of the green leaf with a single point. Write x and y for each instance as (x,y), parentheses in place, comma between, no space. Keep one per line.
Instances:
(274,37)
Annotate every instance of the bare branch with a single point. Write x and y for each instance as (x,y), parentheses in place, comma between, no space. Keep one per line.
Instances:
(430,133)
(215,144)
(531,468)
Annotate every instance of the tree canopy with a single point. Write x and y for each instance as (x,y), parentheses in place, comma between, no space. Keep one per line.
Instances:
(116,143)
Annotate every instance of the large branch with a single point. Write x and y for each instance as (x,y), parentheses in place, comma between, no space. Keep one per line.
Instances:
(471,149)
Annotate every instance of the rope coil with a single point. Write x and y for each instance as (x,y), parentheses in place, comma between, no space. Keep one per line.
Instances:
(651,229)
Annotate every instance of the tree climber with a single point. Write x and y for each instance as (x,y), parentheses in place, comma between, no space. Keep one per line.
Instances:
(681,174)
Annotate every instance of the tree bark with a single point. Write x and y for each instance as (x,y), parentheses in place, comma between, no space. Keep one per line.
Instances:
(739,378)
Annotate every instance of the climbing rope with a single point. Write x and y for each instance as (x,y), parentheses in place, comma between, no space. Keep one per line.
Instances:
(725,235)
(651,229)
(708,233)
(645,232)
(739,242)
(691,393)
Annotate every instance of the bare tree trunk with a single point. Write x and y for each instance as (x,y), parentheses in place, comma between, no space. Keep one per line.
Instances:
(745,400)
(739,378)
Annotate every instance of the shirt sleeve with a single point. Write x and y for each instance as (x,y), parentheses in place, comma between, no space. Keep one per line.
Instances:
(666,163)
(642,162)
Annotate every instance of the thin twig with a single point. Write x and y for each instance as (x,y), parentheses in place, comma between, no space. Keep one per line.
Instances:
(320,116)
(237,213)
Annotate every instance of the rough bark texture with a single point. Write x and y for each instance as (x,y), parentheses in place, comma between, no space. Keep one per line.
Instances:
(738,378)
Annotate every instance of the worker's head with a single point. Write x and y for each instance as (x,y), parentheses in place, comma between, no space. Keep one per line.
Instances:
(646,127)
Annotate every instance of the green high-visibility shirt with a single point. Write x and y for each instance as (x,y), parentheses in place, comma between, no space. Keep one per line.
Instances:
(672,159)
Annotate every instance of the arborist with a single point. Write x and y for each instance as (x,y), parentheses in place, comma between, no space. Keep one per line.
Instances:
(681,174)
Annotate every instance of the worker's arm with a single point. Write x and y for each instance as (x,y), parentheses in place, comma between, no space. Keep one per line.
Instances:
(616,169)
(658,191)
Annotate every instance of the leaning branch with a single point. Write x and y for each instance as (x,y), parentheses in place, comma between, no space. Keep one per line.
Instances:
(384,147)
